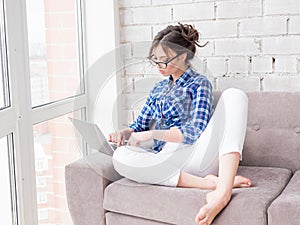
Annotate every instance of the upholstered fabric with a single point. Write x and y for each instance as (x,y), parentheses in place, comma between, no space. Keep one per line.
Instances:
(273,130)
(85,181)
(180,205)
(286,208)
(272,140)
(116,218)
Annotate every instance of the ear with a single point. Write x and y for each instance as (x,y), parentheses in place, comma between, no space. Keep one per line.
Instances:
(183,56)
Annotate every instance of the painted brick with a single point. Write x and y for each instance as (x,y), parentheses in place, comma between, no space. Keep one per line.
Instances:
(285,64)
(126,51)
(244,83)
(294,25)
(217,28)
(126,17)
(198,64)
(149,15)
(281,45)
(273,7)
(135,33)
(208,50)
(238,9)
(127,85)
(170,2)
(263,26)
(238,65)
(133,3)
(262,64)
(134,67)
(289,84)
(195,11)
(141,49)
(245,46)
(159,27)
(216,66)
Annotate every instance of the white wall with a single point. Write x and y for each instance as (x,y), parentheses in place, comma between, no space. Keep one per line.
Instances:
(253,45)
(101,38)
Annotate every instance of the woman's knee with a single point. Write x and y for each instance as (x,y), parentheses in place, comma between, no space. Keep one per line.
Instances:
(234,99)
(235,94)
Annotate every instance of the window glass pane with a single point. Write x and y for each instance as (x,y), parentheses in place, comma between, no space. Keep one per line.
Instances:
(4,93)
(7,184)
(55,146)
(54,50)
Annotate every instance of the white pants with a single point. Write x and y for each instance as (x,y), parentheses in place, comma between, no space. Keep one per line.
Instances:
(225,133)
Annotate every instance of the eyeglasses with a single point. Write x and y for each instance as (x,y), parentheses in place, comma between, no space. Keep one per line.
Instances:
(163,65)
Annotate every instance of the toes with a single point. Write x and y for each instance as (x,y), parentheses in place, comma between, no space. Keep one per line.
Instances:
(201,215)
(242,182)
(204,222)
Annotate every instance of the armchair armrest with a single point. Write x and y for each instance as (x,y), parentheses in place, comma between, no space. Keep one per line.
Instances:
(85,181)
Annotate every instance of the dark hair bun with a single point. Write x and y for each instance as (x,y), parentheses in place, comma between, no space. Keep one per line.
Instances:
(189,33)
(180,38)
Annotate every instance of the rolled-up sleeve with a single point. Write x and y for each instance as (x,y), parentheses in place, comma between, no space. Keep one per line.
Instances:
(202,106)
(143,121)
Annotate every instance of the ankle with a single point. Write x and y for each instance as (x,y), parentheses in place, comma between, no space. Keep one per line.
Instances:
(224,193)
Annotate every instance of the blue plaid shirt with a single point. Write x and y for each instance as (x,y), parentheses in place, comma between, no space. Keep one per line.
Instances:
(186,104)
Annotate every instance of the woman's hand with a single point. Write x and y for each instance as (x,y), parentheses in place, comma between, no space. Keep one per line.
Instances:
(137,138)
(120,136)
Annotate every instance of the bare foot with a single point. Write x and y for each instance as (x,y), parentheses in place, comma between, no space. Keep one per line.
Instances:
(239,181)
(242,182)
(216,201)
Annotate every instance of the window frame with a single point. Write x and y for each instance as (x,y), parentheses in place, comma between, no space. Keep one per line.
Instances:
(19,118)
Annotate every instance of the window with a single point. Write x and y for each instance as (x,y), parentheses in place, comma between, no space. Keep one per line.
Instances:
(7,188)
(55,146)
(54,50)
(4,93)
(42,83)
(56,71)
(43,214)
(41,181)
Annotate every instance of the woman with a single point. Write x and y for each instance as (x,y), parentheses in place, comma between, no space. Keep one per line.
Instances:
(191,143)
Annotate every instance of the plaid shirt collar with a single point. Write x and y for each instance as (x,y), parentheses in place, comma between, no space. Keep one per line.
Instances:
(183,78)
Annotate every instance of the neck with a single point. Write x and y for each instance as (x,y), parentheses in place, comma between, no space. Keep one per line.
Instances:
(178,74)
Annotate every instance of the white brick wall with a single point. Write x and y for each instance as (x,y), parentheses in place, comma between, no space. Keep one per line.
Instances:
(194,11)
(238,65)
(285,64)
(244,83)
(289,84)
(262,64)
(216,66)
(294,25)
(150,15)
(282,7)
(135,33)
(217,28)
(253,45)
(263,26)
(242,46)
(281,45)
(134,3)
(238,8)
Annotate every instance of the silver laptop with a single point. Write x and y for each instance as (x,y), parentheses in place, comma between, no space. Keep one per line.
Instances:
(93,136)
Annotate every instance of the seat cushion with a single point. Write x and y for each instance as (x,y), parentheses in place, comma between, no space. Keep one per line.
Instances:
(286,208)
(121,219)
(180,205)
